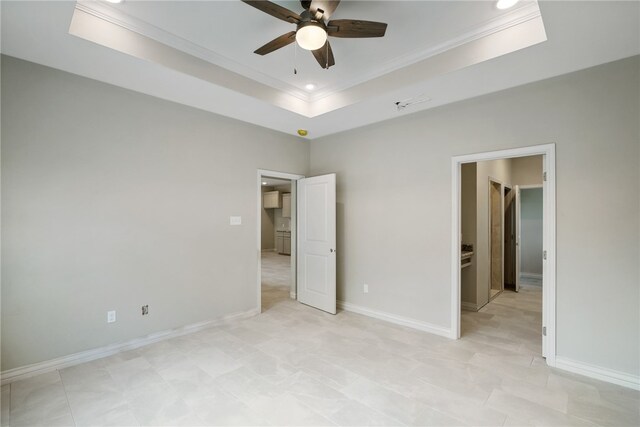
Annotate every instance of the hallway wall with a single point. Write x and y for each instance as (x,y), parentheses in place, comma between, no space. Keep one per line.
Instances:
(531,231)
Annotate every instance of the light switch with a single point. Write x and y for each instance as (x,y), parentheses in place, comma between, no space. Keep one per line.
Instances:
(235,220)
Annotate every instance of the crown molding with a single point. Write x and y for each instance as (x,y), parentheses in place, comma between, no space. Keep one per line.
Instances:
(110,14)
(519,15)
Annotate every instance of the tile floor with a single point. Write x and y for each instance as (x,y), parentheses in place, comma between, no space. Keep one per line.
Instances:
(293,365)
(276,278)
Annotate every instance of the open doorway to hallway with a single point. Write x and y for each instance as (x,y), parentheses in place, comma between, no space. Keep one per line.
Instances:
(276,227)
(498,306)
(309,236)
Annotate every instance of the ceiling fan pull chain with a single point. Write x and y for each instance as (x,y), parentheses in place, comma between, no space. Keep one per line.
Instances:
(295,58)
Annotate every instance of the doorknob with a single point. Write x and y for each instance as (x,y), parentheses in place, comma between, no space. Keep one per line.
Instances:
(332,250)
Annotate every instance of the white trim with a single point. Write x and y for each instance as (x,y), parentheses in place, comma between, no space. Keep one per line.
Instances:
(292,295)
(111,14)
(535,276)
(530,187)
(294,228)
(469,306)
(27,371)
(549,238)
(603,374)
(393,318)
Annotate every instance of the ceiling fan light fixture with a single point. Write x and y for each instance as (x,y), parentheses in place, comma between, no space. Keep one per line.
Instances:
(311,36)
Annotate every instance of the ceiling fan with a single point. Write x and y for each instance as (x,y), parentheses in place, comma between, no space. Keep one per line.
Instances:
(314,26)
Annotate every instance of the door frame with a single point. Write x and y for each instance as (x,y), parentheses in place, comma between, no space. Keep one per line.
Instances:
(294,232)
(489,237)
(548,152)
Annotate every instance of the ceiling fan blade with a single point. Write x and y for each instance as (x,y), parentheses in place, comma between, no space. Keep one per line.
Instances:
(351,28)
(324,56)
(274,10)
(277,43)
(327,6)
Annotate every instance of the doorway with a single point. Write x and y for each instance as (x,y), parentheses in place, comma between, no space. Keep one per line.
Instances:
(304,242)
(277,224)
(510,225)
(500,249)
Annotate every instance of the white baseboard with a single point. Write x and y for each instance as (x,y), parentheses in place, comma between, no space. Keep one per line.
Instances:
(534,276)
(292,295)
(469,306)
(398,320)
(603,374)
(27,371)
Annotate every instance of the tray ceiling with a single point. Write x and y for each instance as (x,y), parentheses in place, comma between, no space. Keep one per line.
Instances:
(201,53)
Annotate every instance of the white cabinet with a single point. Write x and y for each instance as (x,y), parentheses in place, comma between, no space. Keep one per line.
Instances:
(286,205)
(283,242)
(271,200)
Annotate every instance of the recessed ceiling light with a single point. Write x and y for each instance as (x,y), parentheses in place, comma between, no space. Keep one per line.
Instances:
(506,4)
(264,183)
(310,86)
(115,1)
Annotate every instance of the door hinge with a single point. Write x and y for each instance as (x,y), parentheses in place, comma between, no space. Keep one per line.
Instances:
(544,331)
(544,176)
(544,255)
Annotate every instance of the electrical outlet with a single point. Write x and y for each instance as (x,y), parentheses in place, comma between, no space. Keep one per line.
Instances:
(366,289)
(145,310)
(111,316)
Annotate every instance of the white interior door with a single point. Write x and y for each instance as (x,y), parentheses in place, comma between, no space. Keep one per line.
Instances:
(317,242)
(518,234)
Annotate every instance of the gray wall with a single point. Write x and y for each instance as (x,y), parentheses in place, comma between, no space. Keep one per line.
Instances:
(526,170)
(111,200)
(531,213)
(401,169)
